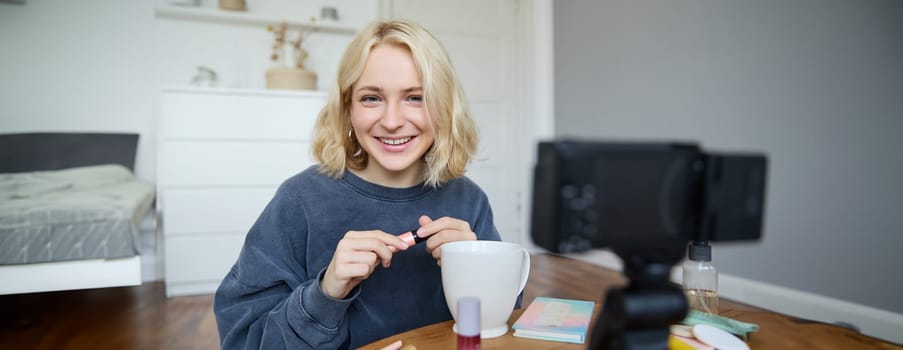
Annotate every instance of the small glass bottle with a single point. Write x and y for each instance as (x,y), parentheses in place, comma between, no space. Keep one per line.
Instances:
(700,282)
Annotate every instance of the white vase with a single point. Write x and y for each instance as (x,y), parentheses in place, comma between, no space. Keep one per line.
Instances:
(289,55)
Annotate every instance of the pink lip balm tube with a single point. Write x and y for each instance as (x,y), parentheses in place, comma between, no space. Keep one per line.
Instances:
(411,238)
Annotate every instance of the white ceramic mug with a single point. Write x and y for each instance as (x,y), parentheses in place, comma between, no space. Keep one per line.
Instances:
(495,272)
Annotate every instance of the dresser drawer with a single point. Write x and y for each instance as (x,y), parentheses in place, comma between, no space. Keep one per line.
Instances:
(224,163)
(221,155)
(201,258)
(213,210)
(239,116)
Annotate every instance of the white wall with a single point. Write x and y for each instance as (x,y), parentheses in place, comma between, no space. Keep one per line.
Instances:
(98,65)
(817,85)
(79,66)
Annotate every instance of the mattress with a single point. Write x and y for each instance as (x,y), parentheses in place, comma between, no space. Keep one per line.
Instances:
(87,212)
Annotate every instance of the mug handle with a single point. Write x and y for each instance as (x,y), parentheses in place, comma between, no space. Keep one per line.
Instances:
(525,274)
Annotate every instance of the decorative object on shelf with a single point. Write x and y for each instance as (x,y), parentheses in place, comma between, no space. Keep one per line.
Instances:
(233,5)
(188,3)
(289,57)
(205,77)
(329,12)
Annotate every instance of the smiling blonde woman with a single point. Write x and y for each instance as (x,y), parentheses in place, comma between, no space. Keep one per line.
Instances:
(347,251)
(454,129)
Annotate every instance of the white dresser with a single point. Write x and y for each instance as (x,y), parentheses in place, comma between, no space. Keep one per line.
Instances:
(221,154)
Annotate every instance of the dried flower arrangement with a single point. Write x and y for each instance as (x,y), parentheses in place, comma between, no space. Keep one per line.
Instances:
(292,54)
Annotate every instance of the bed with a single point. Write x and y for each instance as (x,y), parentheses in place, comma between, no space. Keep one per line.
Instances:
(70,211)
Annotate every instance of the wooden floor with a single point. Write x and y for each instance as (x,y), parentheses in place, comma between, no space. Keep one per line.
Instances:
(143,318)
(108,318)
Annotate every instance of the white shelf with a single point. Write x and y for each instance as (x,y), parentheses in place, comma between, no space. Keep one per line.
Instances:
(244,91)
(217,15)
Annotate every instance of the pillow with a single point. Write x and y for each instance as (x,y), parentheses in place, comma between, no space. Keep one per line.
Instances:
(36,183)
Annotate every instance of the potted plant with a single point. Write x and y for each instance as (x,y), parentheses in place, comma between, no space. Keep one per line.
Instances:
(288,71)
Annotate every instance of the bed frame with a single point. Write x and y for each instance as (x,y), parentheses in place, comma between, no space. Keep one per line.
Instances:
(54,151)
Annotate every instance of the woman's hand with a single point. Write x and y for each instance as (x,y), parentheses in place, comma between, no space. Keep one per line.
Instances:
(355,258)
(443,230)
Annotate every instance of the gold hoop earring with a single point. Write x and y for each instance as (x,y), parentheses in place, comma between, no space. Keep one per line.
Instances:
(360,150)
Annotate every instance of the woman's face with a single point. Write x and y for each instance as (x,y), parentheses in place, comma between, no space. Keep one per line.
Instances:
(389,118)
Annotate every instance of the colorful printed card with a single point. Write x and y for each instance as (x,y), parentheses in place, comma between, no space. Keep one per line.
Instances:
(564,320)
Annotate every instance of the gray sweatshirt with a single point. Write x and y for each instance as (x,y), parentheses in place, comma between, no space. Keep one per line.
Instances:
(271,298)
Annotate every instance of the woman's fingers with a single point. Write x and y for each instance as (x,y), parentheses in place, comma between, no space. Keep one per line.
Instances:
(385,238)
(424,220)
(381,244)
(429,227)
(356,256)
(347,262)
(443,230)
(394,346)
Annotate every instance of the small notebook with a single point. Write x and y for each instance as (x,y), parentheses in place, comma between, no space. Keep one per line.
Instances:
(564,320)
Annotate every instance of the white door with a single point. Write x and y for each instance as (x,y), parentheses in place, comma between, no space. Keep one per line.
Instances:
(481,36)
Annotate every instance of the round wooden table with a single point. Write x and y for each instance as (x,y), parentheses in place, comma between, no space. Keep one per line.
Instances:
(560,277)
(440,336)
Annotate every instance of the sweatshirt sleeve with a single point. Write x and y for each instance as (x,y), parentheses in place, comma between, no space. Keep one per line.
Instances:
(484,225)
(268,300)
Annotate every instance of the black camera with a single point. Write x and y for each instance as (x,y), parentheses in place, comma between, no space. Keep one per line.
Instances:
(644,197)
(645,201)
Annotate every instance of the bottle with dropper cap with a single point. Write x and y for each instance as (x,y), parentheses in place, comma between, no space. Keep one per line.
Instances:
(700,278)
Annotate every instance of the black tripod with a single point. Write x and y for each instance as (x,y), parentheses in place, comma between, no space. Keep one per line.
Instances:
(638,316)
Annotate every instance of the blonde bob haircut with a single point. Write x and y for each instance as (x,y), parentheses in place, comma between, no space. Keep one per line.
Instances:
(455,140)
